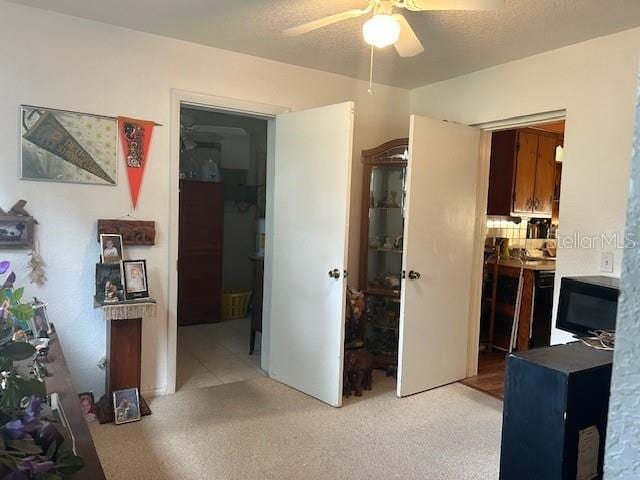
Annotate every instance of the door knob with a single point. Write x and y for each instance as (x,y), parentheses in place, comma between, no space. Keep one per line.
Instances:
(335,273)
(413,275)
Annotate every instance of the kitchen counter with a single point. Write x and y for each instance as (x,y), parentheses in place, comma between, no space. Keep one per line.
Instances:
(536,265)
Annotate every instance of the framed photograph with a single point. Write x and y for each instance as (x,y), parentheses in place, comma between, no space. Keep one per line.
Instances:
(134,273)
(126,405)
(88,405)
(63,146)
(111,250)
(39,323)
(109,282)
(16,231)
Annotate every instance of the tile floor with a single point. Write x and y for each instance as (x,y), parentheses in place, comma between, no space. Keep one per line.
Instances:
(216,353)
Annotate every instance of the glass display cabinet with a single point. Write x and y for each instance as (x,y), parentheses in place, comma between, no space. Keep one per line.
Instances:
(383,211)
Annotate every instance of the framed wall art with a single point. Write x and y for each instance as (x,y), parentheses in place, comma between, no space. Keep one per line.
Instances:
(16,231)
(63,146)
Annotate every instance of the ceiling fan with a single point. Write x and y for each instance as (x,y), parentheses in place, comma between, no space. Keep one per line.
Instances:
(386,28)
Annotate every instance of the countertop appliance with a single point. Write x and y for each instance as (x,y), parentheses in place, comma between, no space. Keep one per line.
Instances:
(587,304)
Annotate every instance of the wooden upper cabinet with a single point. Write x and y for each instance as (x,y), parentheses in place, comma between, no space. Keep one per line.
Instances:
(525,175)
(545,175)
(522,172)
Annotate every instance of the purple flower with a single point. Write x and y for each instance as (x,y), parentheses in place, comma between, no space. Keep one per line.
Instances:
(15,429)
(15,475)
(4,266)
(36,465)
(33,408)
(8,283)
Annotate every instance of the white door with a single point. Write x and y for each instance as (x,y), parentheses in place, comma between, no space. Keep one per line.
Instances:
(313,151)
(438,239)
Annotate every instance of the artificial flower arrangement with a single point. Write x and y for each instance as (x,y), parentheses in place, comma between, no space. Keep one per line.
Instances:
(31,446)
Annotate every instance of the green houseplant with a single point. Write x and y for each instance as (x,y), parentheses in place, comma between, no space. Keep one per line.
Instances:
(31,447)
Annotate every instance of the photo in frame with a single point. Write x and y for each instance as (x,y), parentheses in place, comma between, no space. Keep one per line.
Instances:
(126,406)
(39,323)
(111,249)
(16,231)
(134,275)
(109,282)
(69,147)
(88,405)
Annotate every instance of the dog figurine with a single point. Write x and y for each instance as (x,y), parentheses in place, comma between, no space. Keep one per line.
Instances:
(358,372)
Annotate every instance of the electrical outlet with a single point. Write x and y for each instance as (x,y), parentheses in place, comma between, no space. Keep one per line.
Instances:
(606,262)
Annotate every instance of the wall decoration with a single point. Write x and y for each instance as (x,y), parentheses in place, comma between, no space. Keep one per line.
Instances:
(111,250)
(109,282)
(136,138)
(62,146)
(134,274)
(126,405)
(134,232)
(16,231)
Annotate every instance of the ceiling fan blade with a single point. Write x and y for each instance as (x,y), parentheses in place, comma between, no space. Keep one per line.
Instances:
(323,22)
(421,5)
(408,44)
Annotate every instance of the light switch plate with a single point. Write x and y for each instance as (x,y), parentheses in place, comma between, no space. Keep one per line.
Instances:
(606,262)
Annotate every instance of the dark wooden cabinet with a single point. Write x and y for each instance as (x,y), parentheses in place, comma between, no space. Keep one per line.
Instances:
(522,175)
(555,413)
(200,252)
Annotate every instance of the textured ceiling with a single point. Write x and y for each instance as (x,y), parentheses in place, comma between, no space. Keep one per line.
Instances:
(455,42)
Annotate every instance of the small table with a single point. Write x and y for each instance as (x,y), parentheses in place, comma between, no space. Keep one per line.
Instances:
(124,350)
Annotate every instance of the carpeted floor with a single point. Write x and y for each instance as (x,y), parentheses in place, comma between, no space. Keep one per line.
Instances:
(260,429)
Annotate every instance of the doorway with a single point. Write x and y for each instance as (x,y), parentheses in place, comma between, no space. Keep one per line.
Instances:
(222,203)
(522,218)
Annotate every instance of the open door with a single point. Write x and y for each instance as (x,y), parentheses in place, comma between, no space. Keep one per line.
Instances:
(313,151)
(439,237)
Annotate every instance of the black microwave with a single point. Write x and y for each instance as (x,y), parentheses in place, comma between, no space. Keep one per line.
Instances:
(588,304)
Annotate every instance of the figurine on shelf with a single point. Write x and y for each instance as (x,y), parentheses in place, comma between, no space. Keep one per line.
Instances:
(388,244)
(397,243)
(392,281)
(110,292)
(374,242)
(393,200)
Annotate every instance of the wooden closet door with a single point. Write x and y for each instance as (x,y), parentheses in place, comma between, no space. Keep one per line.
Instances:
(200,252)
(545,175)
(525,175)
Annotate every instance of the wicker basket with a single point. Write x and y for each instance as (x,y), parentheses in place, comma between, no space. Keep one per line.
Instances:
(235,304)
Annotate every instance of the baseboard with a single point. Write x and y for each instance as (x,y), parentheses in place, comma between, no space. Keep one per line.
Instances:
(154,392)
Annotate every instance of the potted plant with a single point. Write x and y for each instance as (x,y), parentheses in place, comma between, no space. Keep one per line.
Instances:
(31,446)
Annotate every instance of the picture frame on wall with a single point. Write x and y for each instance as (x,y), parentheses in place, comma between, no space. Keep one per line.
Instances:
(16,231)
(69,147)
(111,248)
(134,276)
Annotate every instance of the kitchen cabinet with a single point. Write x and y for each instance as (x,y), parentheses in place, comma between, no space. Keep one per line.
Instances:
(522,173)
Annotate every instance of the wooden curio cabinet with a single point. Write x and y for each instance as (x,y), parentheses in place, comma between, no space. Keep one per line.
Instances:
(381,244)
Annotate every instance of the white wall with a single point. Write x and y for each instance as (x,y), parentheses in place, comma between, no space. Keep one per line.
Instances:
(595,82)
(62,62)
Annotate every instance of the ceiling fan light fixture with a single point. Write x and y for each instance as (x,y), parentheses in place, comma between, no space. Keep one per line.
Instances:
(381,30)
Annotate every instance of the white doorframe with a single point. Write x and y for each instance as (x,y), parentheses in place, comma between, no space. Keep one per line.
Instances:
(232,106)
(473,348)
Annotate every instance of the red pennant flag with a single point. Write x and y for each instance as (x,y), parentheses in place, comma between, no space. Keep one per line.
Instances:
(136,137)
